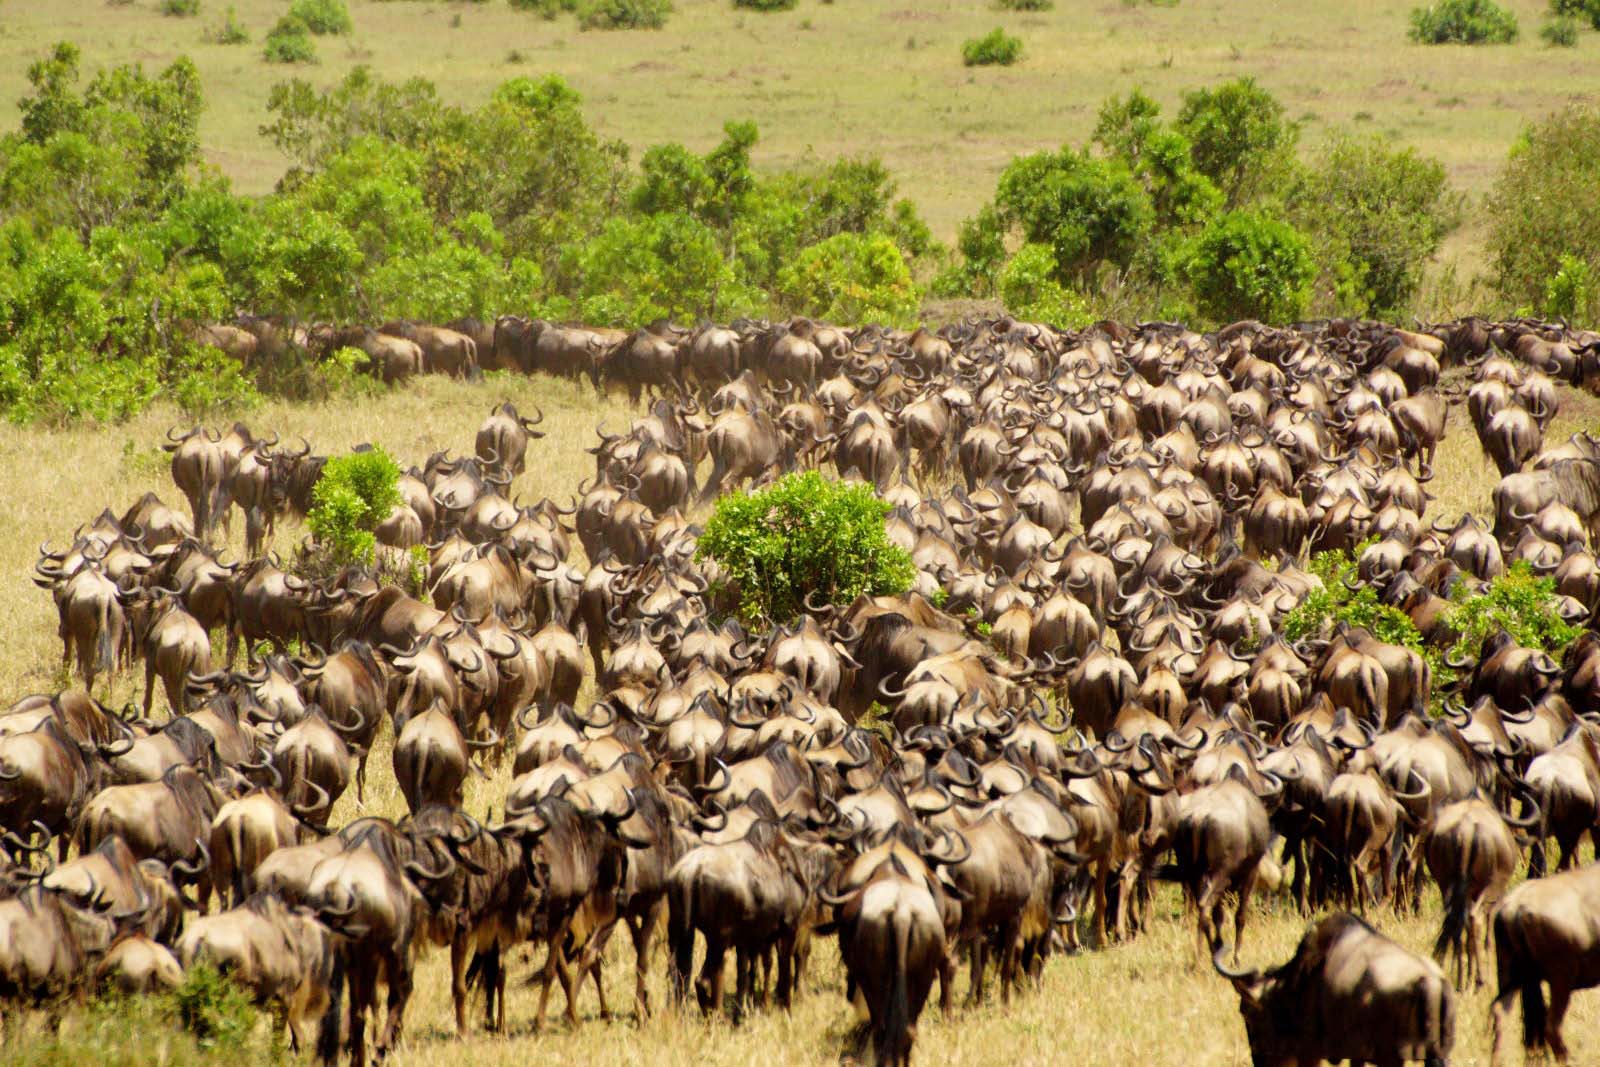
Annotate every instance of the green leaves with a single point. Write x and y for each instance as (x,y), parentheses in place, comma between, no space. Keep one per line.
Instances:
(803,536)
(851,278)
(1249,265)
(1517,602)
(1463,22)
(354,494)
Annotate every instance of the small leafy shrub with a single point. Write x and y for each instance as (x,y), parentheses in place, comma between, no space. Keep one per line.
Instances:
(1560,32)
(231,31)
(1336,601)
(1030,291)
(623,14)
(354,494)
(180,8)
(851,278)
(1517,602)
(217,1012)
(290,42)
(1588,10)
(1249,265)
(1571,290)
(804,536)
(995,48)
(547,8)
(323,17)
(1463,22)
(766,5)
(1026,5)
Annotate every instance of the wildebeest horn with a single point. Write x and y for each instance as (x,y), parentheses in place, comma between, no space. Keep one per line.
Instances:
(307,810)
(1228,972)
(449,868)
(350,731)
(190,870)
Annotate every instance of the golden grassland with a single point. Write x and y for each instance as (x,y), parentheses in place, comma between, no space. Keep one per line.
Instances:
(1142,1003)
(857,77)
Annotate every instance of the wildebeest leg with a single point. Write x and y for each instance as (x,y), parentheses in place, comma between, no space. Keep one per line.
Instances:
(1560,996)
(708,988)
(1102,871)
(570,979)
(363,987)
(458,978)
(398,972)
(980,960)
(150,685)
(548,973)
(642,928)
(786,976)
(1242,912)
(1010,957)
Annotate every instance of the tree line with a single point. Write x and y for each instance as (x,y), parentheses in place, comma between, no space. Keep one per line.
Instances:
(118,238)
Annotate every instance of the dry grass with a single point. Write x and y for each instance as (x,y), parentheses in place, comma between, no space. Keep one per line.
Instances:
(1142,1003)
(870,76)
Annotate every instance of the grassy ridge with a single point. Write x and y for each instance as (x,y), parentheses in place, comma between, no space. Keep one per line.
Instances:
(867,76)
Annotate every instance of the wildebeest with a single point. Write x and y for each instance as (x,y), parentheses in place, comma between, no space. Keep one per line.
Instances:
(1547,931)
(1347,993)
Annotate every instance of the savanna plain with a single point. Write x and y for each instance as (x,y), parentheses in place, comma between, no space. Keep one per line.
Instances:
(877,77)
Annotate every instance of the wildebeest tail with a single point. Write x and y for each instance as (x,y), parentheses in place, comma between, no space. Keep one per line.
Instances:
(680,933)
(328,1034)
(894,1039)
(105,652)
(1453,930)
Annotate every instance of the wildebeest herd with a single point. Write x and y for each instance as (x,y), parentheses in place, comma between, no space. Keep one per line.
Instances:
(1102,523)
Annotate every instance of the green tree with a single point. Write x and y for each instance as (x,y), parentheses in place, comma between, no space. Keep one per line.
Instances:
(352,496)
(804,537)
(1239,138)
(1378,214)
(851,278)
(1543,208)
(1250,265)
(1089,211)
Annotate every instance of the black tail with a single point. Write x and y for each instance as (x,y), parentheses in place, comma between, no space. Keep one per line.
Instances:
(328,1036)
(894,1040)
(1453,930)
(1516,971)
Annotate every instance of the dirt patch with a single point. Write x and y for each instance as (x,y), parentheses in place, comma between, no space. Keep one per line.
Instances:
(909,15)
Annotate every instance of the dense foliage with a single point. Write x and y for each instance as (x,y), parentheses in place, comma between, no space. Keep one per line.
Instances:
(803,537)
(1463,22)
(1544,237)
(323,16)
(354,494)
(116,239)
(1212,215)
(1518,602)
(1344,598)
(1560,31)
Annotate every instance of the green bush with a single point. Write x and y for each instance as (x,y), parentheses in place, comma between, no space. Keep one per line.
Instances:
(623,14)
(231,30)
(1091,212)
(1377,214)
(1029,290)
(1517,602)
(1249,265)
(354,494)
(113,1030)
(323,17)
(995,48)
(1026,5)
(548,8)
(290,42)
(804,536)
(1463,22)
(766,5)
(217,1012)
(1560,32)
(1571,291)
(851,277)
(1239,138)
(1588,10)
(1344,598)
(1544,219)
(180,8)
